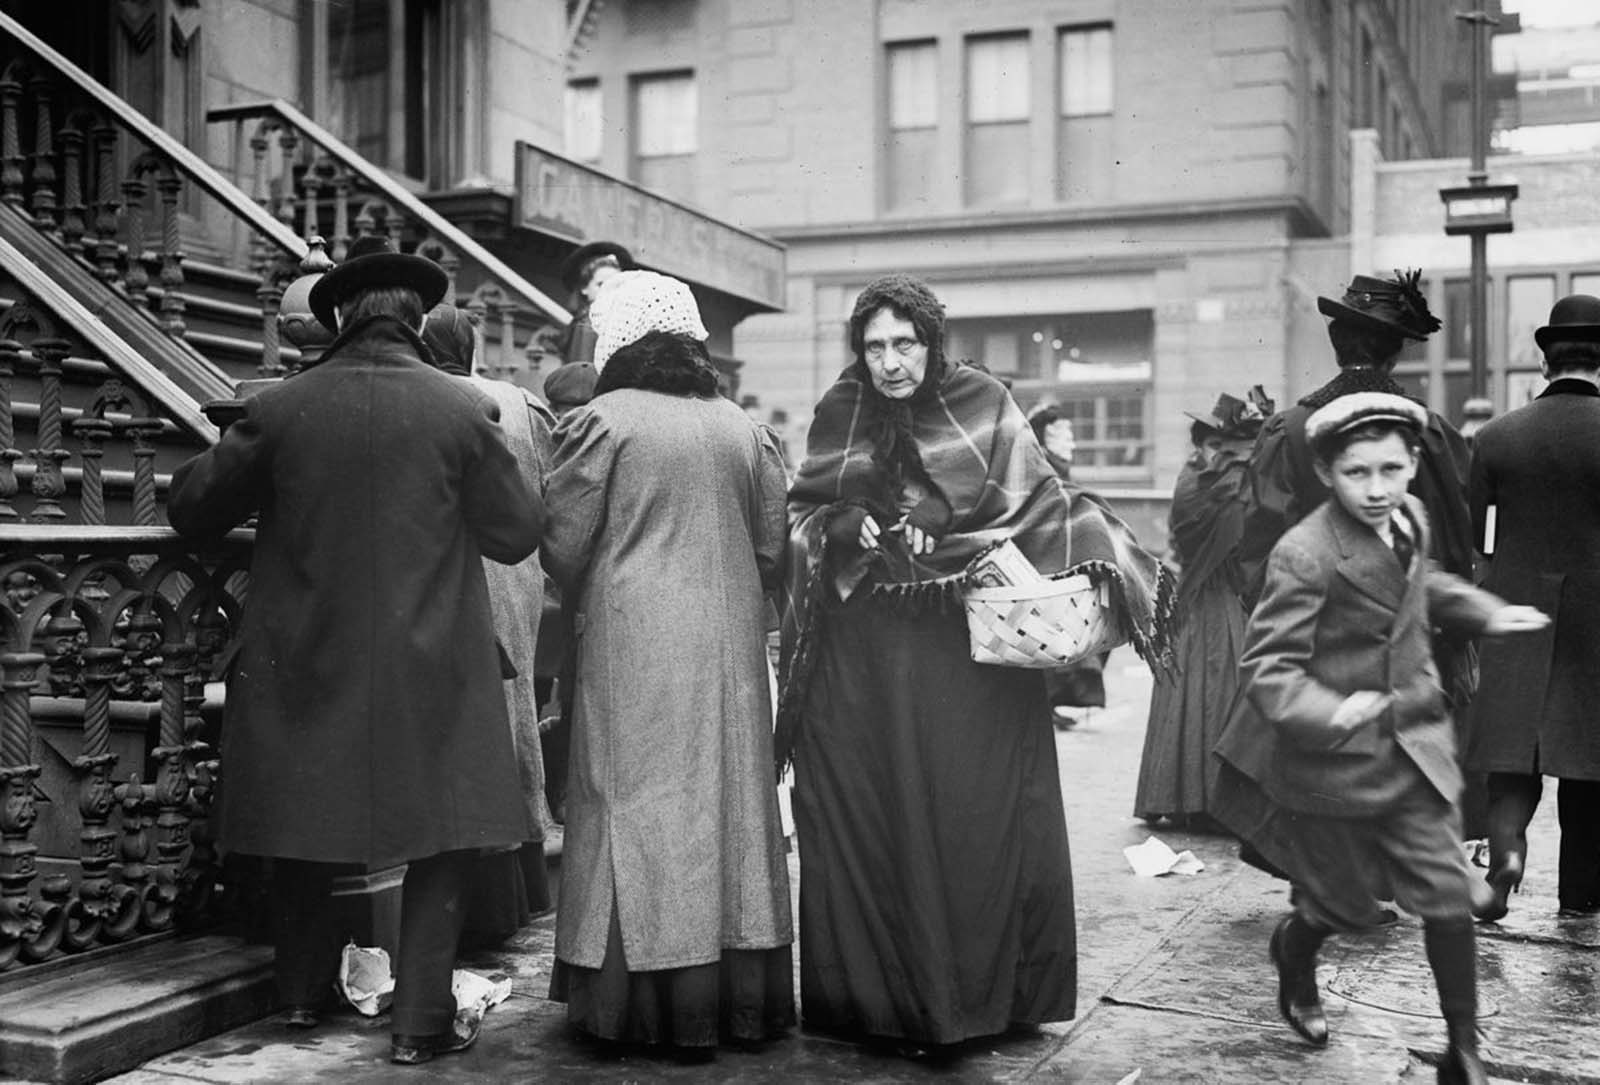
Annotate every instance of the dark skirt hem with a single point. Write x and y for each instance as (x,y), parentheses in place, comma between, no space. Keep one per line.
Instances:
(746,997)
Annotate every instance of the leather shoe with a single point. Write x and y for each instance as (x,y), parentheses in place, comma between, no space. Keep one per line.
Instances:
(1298,998)
(302,1017)
(407,1050)
(1502,881)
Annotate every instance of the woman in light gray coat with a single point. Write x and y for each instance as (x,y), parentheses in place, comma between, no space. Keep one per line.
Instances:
(673,925)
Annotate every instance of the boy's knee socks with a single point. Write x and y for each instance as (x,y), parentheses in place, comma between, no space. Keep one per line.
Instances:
(1452,955)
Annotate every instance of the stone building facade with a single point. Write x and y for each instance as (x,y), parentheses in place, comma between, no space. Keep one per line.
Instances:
(1110,195)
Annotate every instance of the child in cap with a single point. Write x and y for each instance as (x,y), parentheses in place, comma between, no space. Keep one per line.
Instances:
(1337,658)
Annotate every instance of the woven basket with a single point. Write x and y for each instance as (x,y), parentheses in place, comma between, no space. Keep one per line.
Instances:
(1053,624)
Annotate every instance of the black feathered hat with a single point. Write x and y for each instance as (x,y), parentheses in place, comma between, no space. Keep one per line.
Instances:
(374,261)
(1393,305)
(574,267)
(1234,417)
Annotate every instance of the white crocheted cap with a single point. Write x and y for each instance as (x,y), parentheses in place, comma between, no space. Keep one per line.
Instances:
(632,303)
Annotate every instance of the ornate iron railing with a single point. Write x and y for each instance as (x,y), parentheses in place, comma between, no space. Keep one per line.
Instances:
(96,617)
(106,186)
(101,626)
(299,170)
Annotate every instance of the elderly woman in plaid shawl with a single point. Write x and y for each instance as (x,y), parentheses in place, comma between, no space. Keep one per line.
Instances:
(936,903)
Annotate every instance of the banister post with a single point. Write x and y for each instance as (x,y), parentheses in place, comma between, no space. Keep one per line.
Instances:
(10,351)
(44,164)
(49,487)
(11,176)
(106,203)
(21,920)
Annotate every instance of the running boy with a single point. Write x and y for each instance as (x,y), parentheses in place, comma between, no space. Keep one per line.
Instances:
(1337,657)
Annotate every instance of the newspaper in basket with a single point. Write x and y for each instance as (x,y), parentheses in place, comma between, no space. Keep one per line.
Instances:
(1040,622)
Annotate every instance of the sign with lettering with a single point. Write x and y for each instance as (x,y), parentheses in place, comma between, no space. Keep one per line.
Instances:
(567,199)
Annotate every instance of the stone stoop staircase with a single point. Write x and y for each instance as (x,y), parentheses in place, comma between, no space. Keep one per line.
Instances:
(121,317)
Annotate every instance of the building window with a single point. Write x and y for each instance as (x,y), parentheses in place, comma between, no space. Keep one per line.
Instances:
(998,110)
(358,85)
(913,116)
(582,130)
(387,82)
(1457,319)
(1084,143)
(1380,109)
(1095,366)
(1363,82)
(1528,302)
(666,132)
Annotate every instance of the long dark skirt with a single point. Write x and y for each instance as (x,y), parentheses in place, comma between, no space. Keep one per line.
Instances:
(1189,709)
(935,879)
(746,997)
(506,889)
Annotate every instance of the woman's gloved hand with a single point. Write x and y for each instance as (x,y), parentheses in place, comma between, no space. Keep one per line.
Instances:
(854,527)
(926,523)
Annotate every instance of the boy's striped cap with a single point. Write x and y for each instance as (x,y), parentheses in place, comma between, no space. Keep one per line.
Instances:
(1358,408)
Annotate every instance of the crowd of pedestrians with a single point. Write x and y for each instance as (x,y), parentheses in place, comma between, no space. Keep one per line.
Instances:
(617,553)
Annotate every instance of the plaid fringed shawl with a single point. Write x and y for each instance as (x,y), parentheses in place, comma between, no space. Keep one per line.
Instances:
(983,460)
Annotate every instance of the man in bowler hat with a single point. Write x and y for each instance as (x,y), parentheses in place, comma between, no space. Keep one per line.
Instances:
(366,723)
(1538,469)
(583,274)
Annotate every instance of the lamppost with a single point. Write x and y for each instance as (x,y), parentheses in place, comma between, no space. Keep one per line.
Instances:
(1478,208)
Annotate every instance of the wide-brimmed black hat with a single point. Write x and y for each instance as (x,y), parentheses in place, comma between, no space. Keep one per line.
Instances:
(1232,416)
(574,266)
(374,261)
(1393,305)
(1573,319)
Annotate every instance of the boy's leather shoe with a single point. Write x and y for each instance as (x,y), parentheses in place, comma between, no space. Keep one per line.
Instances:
(406,1050)
(1298,998)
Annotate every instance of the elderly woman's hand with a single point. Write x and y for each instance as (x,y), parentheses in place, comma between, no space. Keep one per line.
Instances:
(926,523)
(854,526)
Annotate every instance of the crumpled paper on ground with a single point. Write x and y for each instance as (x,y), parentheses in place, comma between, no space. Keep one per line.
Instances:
(1154,858)
(366,981)
(475,993)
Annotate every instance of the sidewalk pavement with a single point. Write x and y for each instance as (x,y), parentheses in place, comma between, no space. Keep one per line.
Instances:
(1174,984)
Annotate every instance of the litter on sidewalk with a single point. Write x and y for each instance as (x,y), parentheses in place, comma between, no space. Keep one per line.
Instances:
(1153,858)
(366,981)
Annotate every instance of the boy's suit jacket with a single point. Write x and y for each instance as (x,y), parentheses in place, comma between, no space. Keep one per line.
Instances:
(1337,615)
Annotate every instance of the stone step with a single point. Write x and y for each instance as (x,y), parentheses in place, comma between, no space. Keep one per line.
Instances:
(83,1021)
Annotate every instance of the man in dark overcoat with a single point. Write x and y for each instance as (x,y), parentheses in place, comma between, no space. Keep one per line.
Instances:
(1538,469)
(365,719)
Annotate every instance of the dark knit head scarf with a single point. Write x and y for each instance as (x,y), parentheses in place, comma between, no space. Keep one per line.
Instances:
(449,335)
(908,298)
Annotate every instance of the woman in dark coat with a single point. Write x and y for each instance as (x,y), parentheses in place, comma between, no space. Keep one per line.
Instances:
(936,900)
(508,886)
(365,721)
(1189,707)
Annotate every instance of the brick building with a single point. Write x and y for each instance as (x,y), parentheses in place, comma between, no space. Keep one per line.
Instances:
(1109,195)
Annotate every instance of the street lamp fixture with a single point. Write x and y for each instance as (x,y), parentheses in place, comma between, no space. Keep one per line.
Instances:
(1478,208)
